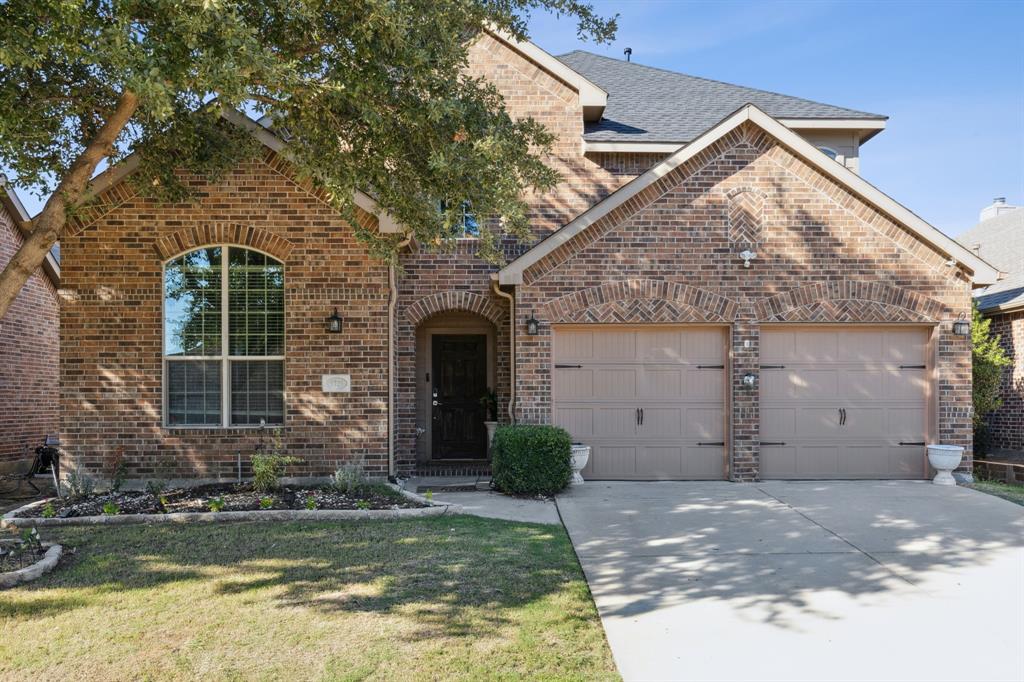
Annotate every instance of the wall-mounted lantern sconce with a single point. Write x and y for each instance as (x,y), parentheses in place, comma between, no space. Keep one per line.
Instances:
(747,255)
(532,326)
(962,327)
(749,379)
(334,323)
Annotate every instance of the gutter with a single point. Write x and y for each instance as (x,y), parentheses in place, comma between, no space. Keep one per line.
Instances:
(512,347)
(392,303)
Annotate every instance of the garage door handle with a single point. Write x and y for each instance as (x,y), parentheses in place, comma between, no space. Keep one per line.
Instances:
(568,366)
(641,416)
(712,443)
(908,442)
(710,366)
(768,442)
(912,367)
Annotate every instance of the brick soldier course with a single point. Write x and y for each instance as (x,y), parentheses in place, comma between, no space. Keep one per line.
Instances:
(824,255)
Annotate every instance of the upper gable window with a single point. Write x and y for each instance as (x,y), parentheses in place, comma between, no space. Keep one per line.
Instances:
(464,222)
(223,338)
(829,152)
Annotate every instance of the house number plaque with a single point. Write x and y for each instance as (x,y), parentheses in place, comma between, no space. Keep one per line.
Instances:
(336,383)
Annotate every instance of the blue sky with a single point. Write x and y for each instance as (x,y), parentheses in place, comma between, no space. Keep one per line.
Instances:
(950,75)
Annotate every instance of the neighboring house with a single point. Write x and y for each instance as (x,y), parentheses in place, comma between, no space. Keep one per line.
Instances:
(999,239)
(29,350)
(700,240)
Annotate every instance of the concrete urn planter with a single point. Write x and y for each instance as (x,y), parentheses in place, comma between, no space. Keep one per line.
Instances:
(491,428)
(580,457)
(944,458)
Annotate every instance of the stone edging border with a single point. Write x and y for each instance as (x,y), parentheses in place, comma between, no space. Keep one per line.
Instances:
(36,570)
(432,509)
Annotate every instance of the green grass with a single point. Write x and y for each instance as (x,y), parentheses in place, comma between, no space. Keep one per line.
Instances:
(433,598)
(1013,493)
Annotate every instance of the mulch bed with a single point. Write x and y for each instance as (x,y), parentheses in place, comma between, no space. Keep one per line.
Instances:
(19,559)
(234,497)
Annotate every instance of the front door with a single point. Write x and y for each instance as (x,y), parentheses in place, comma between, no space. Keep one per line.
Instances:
(460,381)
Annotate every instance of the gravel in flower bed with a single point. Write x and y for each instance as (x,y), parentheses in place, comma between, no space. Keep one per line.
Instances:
(234,497)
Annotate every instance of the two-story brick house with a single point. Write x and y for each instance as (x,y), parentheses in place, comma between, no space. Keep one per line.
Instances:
(714,293)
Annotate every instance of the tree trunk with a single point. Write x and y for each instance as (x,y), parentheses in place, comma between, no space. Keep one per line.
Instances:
(49,225)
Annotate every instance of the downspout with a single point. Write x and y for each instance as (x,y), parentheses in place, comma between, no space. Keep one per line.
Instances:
(512,347)
(392,302)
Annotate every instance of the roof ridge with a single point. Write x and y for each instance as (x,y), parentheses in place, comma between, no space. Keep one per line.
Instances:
(720,82)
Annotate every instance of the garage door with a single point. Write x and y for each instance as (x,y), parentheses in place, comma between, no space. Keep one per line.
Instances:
(843,402)
(648,400)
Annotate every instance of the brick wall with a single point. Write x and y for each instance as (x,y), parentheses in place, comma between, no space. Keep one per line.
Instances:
(823,256)
(111,365)
(28,358)
(1007,423)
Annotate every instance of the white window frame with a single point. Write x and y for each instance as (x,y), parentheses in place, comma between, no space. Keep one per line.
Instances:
(223,358)
(830,153)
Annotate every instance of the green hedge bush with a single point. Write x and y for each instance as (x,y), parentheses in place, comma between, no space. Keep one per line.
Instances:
(531,460)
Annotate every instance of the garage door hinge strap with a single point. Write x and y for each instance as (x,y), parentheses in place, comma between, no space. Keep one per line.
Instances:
(773,367)
(568,366)
(916,442)
(710,366)
(766,442)
(912,367)
(711,443)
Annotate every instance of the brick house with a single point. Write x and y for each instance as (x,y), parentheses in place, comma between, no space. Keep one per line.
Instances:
(714,293)
(999,239)
(29,353)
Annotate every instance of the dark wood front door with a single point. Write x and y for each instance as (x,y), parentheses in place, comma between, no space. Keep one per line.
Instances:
(460,380)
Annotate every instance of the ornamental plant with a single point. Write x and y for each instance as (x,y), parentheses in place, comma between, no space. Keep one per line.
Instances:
(531,460)
(988,358)
(371,95)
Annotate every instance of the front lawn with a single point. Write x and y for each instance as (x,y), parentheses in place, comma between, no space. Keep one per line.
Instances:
(431,598)
(1013,493)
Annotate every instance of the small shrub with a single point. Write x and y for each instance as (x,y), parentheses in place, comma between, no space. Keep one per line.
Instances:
(156,488)
(116,469)
(310,502)
(429,495)
(215,505)
(988,360)
(78,485)
(162,503)
(269,466)
(363,504)
(111,509)
(347,478)
(48,511)
(266,502)
(531,460)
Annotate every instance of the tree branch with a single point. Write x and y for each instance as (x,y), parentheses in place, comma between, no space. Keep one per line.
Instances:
(48,226)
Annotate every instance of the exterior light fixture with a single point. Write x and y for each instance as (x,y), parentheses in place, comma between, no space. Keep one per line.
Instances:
(747,256)
(532,326)
(334,323)
(962,327)
(749,379)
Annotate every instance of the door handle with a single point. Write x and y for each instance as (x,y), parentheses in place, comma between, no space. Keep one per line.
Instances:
(436,403)
(641,416)
(842,416)
(637,409)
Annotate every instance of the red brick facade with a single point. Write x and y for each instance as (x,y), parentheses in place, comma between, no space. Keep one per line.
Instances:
(669,256)
(29,390)
(1007,423)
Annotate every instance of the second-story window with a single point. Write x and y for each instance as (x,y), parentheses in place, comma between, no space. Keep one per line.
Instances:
(464,222)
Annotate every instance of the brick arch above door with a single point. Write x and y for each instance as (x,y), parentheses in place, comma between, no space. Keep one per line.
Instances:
(849,301)
(446,301)
(640,300)
(189,238)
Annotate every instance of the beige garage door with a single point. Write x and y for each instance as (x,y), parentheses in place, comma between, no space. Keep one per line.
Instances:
(843,402)
(648,400)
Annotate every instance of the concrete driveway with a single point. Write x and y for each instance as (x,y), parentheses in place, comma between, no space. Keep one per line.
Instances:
(803,581)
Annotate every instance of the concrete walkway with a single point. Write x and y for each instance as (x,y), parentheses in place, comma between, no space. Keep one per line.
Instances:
(803,581)
(476,498)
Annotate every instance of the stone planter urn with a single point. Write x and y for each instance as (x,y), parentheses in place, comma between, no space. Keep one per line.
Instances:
(944,458)
(580,456)
(490,426)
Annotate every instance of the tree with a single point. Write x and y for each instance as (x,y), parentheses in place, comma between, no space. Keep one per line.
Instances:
(988,359)
(371,95)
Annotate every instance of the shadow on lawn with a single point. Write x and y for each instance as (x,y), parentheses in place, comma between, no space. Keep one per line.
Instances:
(453,576)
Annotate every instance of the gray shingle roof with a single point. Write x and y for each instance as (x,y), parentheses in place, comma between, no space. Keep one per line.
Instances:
(647,104)
(1001,243)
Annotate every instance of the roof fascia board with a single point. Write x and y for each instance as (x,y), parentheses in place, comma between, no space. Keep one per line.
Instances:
(983,272)
(833,123)
(592,98)
(10,200)
(640,147)
(1004,308)
(512,274)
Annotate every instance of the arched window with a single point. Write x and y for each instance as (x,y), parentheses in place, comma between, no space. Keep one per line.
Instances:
(223,338)
(829,152)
